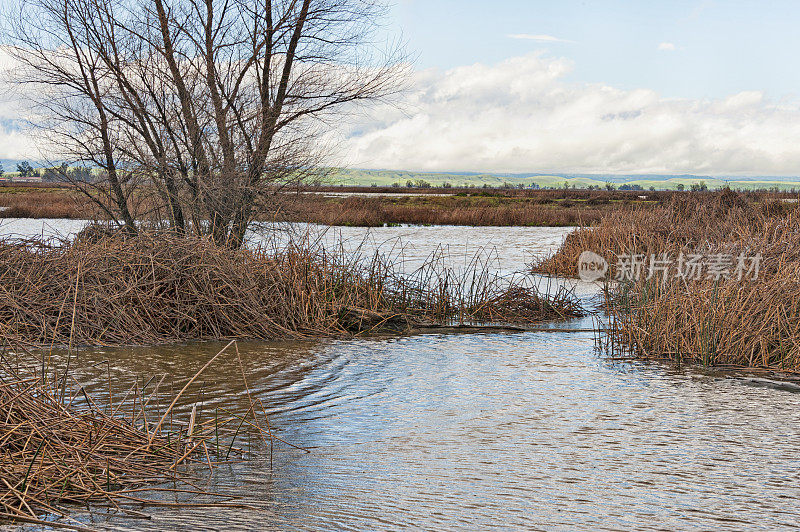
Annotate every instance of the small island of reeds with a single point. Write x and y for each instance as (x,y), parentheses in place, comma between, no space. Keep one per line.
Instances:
(721,319)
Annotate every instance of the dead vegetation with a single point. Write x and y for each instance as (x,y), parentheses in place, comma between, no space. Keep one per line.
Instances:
(47,202)
(106,289)
(60,449)
(752,321)
(476,208)
(687,221)
(496,210)
(375,207)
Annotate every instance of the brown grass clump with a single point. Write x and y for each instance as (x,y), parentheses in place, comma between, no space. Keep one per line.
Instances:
(747,324)
(157,288)
(44,203)
(711,320)
(516,304)
(688,222)
(740,322)
(59,449)
(470,210)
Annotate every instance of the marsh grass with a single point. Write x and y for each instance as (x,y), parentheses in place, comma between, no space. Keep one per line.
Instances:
(473,207)
(727,321)
(108,289)
(709,323)
(441,209)
(43,203)
(60,449)
(687,222)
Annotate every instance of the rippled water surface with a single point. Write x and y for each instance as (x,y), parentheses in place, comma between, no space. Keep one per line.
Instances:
(523,431)
(476,431)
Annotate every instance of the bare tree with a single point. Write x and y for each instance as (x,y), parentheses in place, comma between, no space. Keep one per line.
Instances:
(195,111)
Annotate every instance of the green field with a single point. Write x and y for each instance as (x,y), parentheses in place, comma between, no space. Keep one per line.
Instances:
(385,178)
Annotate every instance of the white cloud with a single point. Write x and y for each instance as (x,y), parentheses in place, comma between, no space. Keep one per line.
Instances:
(521,116)
(16,140)
(666,47)
(540,38)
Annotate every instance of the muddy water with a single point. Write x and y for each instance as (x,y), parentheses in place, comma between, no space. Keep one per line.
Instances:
(474,431)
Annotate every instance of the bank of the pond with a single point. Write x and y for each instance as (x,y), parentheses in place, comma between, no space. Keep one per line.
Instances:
(155,288)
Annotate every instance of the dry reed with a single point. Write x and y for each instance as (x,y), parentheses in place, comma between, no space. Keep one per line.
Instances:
(687,222)
(59,448)
(44,203)
(157,288)
(441,209)
(711,320)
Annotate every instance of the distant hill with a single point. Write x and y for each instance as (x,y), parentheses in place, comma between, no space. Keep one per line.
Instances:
(384,178)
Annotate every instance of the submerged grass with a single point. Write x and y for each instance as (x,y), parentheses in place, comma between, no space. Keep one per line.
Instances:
(59,448)
(711,320)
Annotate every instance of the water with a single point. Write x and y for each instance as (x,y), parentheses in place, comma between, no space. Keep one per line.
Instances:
(507,248)
(39,227)
(527,431)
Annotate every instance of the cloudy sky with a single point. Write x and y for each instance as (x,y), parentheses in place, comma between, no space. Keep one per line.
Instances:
(661,86)
(698,86)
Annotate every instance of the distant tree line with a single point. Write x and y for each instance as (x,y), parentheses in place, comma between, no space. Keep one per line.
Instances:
(55,174)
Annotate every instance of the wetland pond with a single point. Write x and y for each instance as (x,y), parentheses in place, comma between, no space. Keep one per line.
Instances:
(523,430)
